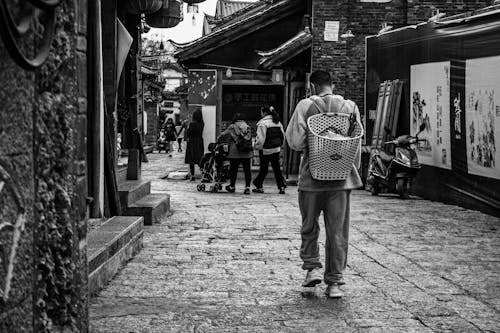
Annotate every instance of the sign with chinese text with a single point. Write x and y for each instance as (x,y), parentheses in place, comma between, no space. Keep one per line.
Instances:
(332,29)
(482,114)
(430,104)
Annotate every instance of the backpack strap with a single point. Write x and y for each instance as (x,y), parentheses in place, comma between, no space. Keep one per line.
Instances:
(323,107)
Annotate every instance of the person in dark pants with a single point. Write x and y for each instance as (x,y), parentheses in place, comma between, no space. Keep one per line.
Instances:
(270,137)
(170,134)
(194,137)
(332,197)
(239,136)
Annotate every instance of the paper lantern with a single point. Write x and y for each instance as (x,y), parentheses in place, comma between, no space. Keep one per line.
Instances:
(143,6)
(168,16)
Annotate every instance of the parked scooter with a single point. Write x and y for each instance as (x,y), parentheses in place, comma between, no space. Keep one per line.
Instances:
(395,173)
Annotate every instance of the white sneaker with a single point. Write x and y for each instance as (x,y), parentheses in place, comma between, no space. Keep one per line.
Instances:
(313,277)
(333,291)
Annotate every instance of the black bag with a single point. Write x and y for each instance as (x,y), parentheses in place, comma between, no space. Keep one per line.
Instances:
(274,138)
(243,145)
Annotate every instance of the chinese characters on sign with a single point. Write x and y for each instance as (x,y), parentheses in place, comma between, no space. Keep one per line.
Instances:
(457,114)
(259,99)
(332,31)
(482,115)
(430,104)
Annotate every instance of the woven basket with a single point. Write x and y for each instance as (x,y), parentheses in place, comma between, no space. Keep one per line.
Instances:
(332,159)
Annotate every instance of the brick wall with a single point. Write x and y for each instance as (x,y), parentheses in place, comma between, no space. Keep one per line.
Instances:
(346,58)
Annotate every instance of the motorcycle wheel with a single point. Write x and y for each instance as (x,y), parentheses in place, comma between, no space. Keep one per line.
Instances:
(375,189)
(402,188)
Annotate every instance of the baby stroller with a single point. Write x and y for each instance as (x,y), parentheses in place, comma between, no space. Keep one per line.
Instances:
(161,142)
(215,168)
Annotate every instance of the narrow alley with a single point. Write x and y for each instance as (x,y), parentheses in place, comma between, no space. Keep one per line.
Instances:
(230,263)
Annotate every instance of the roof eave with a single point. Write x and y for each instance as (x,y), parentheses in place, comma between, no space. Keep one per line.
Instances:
(238,29)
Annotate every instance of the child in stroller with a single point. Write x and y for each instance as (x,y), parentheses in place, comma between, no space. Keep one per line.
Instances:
(161,142)
(215,167)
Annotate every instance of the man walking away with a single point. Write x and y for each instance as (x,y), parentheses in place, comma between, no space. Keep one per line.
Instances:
(316,196)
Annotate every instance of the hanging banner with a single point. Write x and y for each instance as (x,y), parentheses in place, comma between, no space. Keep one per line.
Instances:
(202,84)
(482,88)
(430,104)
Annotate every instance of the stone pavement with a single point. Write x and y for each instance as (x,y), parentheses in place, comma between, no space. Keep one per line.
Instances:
(229,263)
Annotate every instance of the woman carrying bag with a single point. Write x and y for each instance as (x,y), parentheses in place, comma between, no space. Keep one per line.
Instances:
(194,138)
(270,137)
(239,137)
(170,135)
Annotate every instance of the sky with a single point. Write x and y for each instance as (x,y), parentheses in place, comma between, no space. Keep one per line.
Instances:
(185,31)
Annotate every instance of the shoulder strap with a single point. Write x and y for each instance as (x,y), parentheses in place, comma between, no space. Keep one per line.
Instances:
(322,106)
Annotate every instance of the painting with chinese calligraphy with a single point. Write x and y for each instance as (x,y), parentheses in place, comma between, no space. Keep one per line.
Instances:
(202,87)
(430,104)
(482,114)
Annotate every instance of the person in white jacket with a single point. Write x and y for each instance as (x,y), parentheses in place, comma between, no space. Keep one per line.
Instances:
(270,138)
(316,196)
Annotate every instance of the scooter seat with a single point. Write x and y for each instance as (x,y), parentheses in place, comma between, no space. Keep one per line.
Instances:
(386,158)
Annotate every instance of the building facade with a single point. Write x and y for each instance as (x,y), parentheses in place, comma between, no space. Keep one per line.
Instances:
(346,56)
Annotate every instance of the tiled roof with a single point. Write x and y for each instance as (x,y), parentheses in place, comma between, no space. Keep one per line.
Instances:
(286,51)
(251,18)
(227,7)
(221,16)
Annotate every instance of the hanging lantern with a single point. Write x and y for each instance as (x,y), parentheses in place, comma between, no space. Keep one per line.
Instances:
(190,2)
(168,16)
(143,6)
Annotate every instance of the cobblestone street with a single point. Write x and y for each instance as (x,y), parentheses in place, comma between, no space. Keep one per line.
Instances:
(230,263)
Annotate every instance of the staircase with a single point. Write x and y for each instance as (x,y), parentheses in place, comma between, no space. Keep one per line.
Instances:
(136,200)
(110,246)
(113,242)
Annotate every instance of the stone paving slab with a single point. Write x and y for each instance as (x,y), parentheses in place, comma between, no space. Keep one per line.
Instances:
(229,263)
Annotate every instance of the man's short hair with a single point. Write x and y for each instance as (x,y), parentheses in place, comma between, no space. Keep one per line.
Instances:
(321,78)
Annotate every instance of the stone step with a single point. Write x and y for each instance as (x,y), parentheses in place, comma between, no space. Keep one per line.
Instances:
(110,246)
(132,191)
(152,207)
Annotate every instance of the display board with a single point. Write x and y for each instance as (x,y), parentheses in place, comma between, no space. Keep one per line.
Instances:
(202,84)
(482,90)
(430,104)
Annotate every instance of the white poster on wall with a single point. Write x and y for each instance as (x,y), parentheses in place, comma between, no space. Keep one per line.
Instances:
(331,33)
(430,104)
(210,119)
(482,115)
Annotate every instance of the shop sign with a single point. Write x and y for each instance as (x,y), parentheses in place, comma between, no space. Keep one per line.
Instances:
(332,29)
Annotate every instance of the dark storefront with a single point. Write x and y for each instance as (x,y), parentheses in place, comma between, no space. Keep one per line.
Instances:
(248,100)
(467,48)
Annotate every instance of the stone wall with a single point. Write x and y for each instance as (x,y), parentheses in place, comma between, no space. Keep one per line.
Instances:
(16,162)
(42,148)
(346,58)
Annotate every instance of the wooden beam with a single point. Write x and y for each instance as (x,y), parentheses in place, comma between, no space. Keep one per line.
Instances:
(251,83)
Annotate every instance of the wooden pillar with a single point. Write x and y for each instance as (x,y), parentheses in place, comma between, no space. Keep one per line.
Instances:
(219,102)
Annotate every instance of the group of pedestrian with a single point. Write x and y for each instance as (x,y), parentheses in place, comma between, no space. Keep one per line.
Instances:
(238,135)
(169,134)
(269,140)
(330,197)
